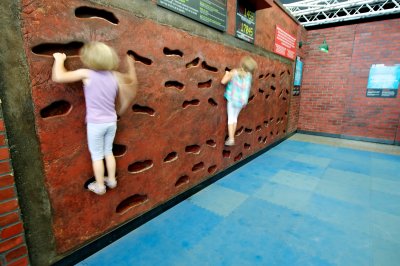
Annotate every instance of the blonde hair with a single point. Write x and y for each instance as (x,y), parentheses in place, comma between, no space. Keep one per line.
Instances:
(99,56)
(248,64)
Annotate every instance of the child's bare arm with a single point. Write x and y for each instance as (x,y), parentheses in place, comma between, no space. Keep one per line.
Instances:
(127,84)
(227,77)
(61,75)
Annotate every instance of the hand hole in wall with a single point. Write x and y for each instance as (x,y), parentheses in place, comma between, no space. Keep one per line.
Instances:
(131,202)
(271,120)
(271,133)
(283,72)
(261,76)
(287,91)
(260,139)
(248,130)
(265,140)
(266,76)
(56,109)
(288,72)
(228,69)
(170,52)
(247,146)
(284,98)
(239,131)
(70,49)
(252,97)
(205,66)
(119,150)
(284,131)
(261,91)
(266,96)
(277,132)
(211,143)
(205,84)
(174,84)
(90,12)
(278,120)
(190,103)
(143,110)
(273,88)
(212,102)
(182,180)
(139,58)
(238,157)
(141,166)
(258,128)
(265,123)
(172,156)
(193,149)
(285,113)
(198,167)
(273,75)
(280,94)
(193,63)
(226,154)
(212,169)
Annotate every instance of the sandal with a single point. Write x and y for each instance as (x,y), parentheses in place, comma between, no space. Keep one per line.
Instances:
(229,142)
(94,187)
(110,184)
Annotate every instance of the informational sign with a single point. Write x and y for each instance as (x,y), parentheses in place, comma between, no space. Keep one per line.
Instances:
(298,75)
(383,81)
(245,21)
(285,43)
(209,12)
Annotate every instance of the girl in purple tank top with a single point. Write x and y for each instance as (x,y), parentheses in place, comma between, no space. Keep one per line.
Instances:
(108,93)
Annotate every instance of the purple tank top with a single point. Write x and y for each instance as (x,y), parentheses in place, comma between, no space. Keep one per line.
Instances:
(100,93)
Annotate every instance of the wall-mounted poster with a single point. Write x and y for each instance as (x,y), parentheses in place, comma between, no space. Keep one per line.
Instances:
(298,75)
(285,43)
(209,12)
(383,81)
(245,21)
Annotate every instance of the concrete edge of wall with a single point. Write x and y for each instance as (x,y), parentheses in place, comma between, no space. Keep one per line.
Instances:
(348,137)
(105,240)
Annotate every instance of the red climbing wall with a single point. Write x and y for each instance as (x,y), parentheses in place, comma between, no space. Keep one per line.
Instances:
(171,139)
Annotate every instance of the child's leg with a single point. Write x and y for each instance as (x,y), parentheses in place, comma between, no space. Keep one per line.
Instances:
(233,113)
(110,159)
(98,169)
(95,134)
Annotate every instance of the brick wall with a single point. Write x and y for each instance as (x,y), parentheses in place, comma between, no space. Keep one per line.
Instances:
(334,84)
(13,250)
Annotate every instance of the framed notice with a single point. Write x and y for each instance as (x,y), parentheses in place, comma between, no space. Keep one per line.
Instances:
(209,12)
(285,43)
(298,75)
(245,21)
(383,81)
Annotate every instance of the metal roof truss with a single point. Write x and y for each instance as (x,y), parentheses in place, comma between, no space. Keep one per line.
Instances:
(315,12)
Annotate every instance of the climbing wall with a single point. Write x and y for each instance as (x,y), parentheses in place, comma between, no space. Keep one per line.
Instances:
(172,137)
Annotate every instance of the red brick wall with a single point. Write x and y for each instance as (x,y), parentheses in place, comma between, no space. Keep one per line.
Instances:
(334,85)
(13,249)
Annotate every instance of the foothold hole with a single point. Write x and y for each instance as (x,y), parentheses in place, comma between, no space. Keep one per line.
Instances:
(212,102)
(284,98)
(248,130)
(56,109)
(193,149)
(205,84)
(271,120)
(211,143)
(261,91)
(193,63)
(266,76)
(273,75)
(283,72)
(90,12)
(266,96)
(258,128)
(239,131)
(252,97)
(265,140)
(261,76)
(131,202)
(273,88)
(228,69)
(212,169)
(238,157)
(70,49)
(174,84)
(189,103)
(265,123)
(288,72)
(172,156)
(205,66)
(260,139)
(139,58)
(119,150)
(140,166)
(247,146)
(285,113)
(143,110)
(170,52)
(182,180)
(277,132)
(280,94)
(271,133)
(226,154)
(284,131)
(90,180)
(198,166)
(286,90)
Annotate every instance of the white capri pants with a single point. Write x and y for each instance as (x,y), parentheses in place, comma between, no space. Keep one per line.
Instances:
(100,139)
(233,113)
